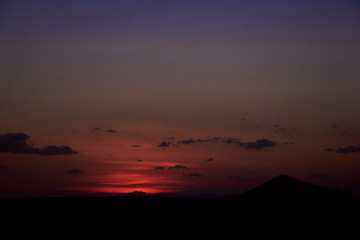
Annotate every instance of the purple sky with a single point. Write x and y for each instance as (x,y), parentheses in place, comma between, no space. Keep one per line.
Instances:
(112,80)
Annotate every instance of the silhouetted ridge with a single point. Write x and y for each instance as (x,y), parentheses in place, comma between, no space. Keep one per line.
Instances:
(283,179)
(287,189)
(285,183)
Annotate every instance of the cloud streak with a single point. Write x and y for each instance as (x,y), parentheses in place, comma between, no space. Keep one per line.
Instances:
(178,167)
(159,168)
(135,146)
(104,130)
(257,145)
(260,144)
(349,149)
(164,144)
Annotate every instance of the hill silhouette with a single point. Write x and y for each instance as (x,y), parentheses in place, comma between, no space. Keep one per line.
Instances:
(281,195)
(285,189)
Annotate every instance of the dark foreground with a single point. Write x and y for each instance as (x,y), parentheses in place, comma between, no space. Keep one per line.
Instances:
(204,218)
(280,204)
(280,196)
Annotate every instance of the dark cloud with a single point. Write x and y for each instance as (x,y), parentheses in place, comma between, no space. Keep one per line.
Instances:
(164,144)
(178,167)
(3,166)
(16,143)
(192,175)
(139,160)
(200,140)
(349,149)
(111,131)
(159,168)
(74,171)
(54,150)
(232,141)
(189,141)
(173,143)
(209,139)
(260,144)
(257,145)
(210,159)
(319,175)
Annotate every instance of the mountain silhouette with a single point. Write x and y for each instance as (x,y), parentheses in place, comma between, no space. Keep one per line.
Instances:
(285,189)
(282,198)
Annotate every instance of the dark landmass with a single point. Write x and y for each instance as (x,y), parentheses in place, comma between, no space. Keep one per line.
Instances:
(284,189)
(283,197)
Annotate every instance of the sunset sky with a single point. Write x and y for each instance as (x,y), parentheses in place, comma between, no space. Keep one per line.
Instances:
(200,96)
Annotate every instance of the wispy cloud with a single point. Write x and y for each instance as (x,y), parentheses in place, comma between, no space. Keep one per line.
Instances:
(349,149)
(257,145)
(135,146)
(159,168)
(178,167)
(104,130)
(164,144)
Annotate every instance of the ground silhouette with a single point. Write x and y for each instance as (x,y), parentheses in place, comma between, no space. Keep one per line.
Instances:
(284,189)
(281,196)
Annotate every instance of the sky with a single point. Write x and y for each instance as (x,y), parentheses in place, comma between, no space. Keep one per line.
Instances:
(196,97)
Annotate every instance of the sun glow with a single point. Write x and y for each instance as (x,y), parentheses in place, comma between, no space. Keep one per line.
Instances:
(125,183)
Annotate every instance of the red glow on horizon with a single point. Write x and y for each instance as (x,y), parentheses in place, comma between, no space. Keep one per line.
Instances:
(127,183)
(149,190)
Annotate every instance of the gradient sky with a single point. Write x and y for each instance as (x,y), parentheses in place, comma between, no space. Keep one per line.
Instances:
(226,72)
